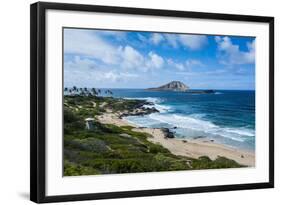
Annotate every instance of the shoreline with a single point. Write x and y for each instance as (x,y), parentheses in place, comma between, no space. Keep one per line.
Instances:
(193,148)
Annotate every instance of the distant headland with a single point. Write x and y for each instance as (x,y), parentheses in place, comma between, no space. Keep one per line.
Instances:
(172,86)
(178,86)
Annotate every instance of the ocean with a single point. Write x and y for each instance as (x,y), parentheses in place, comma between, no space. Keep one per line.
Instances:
(227,116)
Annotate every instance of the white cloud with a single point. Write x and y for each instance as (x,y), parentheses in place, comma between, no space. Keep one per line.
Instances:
(81,71)
(231,54)
(215,72)
(142,38)
(172,40)
(193,42)
(250,56)
(109,76)
(131,57)
(114,76)
(154,61)
(178,66)
(156,38)
(88,43)
(79,63)
(118,35)
(185,66)
(190,63)
(218,38)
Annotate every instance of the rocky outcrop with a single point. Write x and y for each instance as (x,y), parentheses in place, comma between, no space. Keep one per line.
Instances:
(172,86)
(168,133)
(140,110)
(180,87)
(201,91)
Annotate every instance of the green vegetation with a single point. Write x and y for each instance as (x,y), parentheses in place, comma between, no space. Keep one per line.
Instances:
(108,149)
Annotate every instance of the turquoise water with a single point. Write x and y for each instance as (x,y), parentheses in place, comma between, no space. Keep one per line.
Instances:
(227,117)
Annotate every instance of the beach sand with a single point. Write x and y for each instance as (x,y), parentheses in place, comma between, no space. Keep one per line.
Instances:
(193,148)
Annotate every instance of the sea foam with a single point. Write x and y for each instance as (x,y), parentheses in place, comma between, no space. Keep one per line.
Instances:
(189,125)
(192,126)
(148,99)
(161,108)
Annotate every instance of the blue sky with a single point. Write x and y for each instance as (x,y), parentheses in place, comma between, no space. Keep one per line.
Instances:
(119,59)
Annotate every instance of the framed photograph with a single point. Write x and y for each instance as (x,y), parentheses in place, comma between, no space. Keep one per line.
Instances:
(129,102)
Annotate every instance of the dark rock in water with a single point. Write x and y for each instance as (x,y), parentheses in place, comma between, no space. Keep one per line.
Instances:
(209,91)
(198,137)
(175,127)
(168,133)
(149,103)
(201,91)
(138,108)
(140,112)
(150,110)
(136,114)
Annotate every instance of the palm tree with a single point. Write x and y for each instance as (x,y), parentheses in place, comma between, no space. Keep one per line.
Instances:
(110,92)
(85,90)
(74,89)
(94,91)
(82,93)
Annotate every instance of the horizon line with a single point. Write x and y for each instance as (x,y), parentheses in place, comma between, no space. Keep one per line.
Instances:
(148,88)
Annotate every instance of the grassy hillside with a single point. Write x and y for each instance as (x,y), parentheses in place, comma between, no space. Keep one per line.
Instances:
(108,149)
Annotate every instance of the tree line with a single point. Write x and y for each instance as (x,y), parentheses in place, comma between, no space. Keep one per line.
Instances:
(86,91)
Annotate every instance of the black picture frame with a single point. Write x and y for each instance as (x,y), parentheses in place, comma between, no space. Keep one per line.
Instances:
(38,101)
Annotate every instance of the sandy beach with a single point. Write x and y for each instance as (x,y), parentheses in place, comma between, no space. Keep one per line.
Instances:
(191,148)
